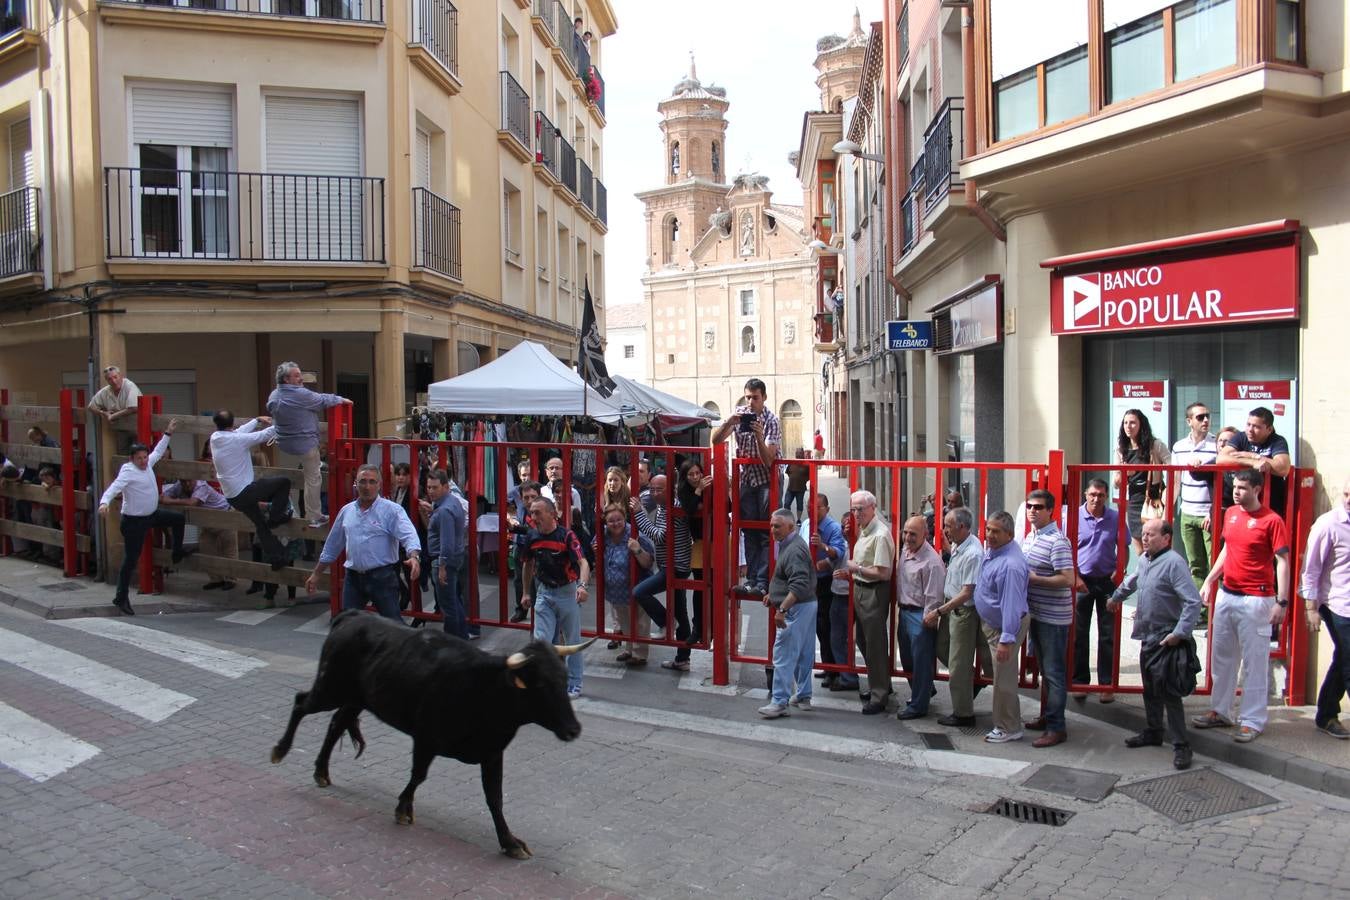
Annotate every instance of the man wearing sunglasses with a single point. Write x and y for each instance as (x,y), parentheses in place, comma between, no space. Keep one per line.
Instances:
(1198,448)
(1050,600)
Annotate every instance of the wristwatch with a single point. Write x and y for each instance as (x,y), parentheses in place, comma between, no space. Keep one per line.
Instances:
(1281,602)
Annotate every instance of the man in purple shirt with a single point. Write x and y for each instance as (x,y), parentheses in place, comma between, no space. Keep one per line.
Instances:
(919,586)
(1001,601)
(1325,588)
(1098,548)
(295,413)
(214,543)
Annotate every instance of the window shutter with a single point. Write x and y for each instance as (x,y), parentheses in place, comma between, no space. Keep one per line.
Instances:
(313,136)
(182,117)
(20,154)
(942,332)
(422,174)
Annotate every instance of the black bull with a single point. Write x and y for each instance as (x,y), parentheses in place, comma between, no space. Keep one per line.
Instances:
(450,697)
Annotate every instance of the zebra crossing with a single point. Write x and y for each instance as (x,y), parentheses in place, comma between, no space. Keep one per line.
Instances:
(39,750)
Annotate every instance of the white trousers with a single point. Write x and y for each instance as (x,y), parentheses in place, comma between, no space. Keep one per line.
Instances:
(1240,635)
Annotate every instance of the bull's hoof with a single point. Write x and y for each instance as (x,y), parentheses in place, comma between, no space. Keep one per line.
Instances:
(322,780)
(403,818)
(360,747)
(278,754)
(520,851)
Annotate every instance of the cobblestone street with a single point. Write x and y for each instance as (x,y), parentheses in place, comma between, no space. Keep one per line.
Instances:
(673,790)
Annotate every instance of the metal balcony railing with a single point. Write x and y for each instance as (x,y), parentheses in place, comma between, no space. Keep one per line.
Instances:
(567,165)
(546,137)
(601,202)
(581,56)
(436,27)
(436,238)
(349,10)
(942,152)
(543,10)
(586,185)
(515,110)
(565,31)
(916,175)
(244,216)
(20,232)
(595,89)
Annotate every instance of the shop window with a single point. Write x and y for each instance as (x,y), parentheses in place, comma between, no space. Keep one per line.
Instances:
(1204,37)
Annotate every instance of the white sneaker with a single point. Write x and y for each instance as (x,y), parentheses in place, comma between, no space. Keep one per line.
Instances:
(999,736)
(773,711)
(318,522)
(573,693)
(801,702)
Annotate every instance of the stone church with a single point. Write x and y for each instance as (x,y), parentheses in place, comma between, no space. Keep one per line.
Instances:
(729,275)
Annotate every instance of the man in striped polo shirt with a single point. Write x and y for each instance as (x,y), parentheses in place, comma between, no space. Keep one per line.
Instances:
(1050,601)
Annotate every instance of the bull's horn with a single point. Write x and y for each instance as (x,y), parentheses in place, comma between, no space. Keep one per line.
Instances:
(516,660)
(569,649)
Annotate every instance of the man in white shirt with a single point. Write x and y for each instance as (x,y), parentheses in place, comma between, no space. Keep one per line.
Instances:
(232,453)
(116,400)
(139,489)
(1197,449)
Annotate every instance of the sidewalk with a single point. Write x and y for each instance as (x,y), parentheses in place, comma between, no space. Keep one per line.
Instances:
(1289,750)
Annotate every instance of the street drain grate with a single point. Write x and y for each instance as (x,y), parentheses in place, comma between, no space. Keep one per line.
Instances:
(1029,813)
(973,731)
(1079,783)
(1198,794)
(935,740)
(62,586)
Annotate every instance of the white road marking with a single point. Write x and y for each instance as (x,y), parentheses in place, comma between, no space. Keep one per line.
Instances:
(112,686)
(252,616)
(861,748)
(318,624)
(181,649)
(35,749)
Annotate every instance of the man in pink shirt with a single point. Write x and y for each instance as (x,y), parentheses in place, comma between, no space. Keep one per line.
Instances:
(1325,588)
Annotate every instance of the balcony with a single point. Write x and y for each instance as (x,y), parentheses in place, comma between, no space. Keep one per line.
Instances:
(20,233)
(546,151)
(601,203)
(436,238)
(942,152)
(163,214)
(595,90)
(586,186)
(436,35)
(342,21)
(544,18)
(567,165)
(344,10)
(514,131)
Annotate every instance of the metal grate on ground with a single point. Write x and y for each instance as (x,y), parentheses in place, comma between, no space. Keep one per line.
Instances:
(1029,813)
(936,740)
(1197,794)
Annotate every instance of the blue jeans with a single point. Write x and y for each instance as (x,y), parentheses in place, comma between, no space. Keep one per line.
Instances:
(918,650)
(754,507)
(378,587)
(1052,647)
(794,653)
(1338,673)
(447,601)
(556,612)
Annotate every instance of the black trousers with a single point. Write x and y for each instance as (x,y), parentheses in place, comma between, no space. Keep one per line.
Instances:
(1157,704)
(1099,590)
(134,530)
(276,492)
(824,599)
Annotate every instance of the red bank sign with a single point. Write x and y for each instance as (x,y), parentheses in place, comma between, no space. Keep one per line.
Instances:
(1230,284)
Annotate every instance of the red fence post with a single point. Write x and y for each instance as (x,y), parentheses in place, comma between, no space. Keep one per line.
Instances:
(718,557)
(68,549)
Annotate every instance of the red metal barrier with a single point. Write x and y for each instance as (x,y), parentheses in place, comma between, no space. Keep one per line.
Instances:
(1292,644)
(74,479)
(347,453)
(894,475)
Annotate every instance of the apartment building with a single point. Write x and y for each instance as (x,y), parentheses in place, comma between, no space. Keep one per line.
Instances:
(390,192)
(1114,201)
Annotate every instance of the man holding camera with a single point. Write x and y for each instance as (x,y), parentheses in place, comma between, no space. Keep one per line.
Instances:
(758,436)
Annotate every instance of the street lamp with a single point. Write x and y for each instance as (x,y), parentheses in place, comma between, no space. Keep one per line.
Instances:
(854,149)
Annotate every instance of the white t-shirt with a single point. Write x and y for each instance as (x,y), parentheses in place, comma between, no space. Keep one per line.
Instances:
(1196,499)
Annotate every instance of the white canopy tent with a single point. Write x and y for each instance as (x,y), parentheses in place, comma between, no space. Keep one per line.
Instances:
(527,380)
(647,399)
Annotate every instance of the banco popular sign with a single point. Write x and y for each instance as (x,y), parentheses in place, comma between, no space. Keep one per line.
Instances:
(1255,281)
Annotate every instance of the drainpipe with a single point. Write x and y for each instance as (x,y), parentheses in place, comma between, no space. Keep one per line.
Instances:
(968,120)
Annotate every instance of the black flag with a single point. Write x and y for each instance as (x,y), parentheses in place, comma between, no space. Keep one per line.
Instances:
(591,358)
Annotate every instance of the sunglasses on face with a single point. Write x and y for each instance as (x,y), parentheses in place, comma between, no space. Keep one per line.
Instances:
(1204,416)
(1037,506)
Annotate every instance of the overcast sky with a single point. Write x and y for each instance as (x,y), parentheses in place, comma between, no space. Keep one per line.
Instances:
(761,51)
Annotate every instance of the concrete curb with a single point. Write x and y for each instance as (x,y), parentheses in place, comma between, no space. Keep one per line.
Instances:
(151,606)
(1218,743)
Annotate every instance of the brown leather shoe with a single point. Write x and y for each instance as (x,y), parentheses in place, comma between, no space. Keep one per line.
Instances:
(1049,739)
(1037,724)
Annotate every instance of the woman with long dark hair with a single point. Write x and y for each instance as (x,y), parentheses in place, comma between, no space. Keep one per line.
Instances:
(1136,445)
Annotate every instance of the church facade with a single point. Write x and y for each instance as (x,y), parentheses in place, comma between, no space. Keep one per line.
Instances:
(728,283)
